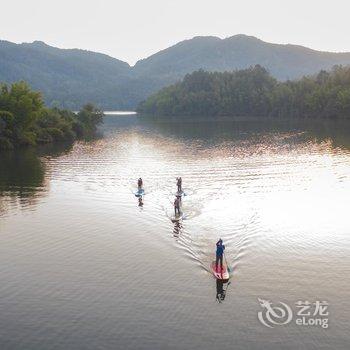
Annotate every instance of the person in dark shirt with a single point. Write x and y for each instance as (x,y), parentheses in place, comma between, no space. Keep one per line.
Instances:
(178,196)
(139,183)
(179,184)
(177,206)
(219,253)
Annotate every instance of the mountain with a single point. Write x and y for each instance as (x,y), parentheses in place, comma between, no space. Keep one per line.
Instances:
(66,77)
(237,52)
(71,77)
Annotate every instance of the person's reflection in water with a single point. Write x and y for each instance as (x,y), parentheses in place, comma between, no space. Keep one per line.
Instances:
(220,290)
(177,229)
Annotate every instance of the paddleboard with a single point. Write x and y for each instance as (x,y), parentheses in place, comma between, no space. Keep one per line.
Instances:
(221,275)
(177,217)
(140,192)
(181,193)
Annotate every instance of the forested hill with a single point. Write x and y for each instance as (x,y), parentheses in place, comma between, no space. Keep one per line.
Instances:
(254,92)
(69,78)
(238,52)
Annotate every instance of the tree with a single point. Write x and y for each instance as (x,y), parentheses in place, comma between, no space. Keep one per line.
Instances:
(24,120)
(254,92)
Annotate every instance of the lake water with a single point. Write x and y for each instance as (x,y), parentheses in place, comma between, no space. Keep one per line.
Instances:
(82,266)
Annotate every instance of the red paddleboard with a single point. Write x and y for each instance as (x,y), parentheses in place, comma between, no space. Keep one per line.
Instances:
(218,273)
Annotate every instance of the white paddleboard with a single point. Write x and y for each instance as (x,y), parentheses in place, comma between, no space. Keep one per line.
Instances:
(140,192)
(181,193)
(177,217)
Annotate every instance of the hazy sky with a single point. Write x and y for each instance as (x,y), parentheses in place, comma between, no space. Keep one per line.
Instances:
(134,29)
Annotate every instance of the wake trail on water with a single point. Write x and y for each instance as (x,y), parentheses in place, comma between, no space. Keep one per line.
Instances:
(199,245)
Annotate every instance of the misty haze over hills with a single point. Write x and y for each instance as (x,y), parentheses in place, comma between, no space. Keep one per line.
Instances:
(72,77)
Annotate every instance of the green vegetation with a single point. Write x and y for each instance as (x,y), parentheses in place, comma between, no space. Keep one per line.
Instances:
(24,119)
(68,78)
(254,92)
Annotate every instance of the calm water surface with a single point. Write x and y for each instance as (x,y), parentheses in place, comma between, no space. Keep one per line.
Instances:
(82,266)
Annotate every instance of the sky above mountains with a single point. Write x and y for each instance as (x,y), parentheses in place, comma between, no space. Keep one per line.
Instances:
(131,30)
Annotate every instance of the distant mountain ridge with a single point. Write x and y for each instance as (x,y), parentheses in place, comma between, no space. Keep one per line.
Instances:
(71,77)
(68,77)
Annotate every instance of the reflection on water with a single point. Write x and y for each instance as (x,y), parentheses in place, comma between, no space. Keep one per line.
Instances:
(221,290)
(21,173)
(336,132)
(21,180)
(177,229)
(22,176)
(89,267)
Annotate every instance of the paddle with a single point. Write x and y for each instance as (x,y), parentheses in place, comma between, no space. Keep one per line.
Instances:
(228,269)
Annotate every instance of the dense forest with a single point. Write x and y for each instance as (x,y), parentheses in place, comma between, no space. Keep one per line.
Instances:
(24,119)
(67,78)
(254,92)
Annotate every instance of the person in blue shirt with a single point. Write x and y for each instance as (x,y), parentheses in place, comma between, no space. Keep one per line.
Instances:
(219,253)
